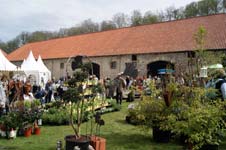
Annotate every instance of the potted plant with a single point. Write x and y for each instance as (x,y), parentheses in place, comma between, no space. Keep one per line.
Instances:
(152,112)
(76,94)
(2,127)
(36,121)
(27,128)
(37,129)
(155,113)
(98,142)
(197,118)
(9,124)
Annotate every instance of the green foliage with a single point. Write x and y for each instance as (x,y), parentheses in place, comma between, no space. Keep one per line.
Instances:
(72,94)
(114,105)
(98,88)
(27,104)
(56,116)
(119,136)
(107,25)
(136,18)
(195,116)
(83,95)
(149,18)
(191,10)
(10,120)
(36,103)
(134,115)
(153,111)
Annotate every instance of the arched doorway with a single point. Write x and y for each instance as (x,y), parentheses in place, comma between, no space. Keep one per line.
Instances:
(153,67)
(96,70)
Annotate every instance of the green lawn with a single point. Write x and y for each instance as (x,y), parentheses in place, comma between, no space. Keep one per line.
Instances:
(119,135)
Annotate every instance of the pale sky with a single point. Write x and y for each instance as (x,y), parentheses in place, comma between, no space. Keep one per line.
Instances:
(17,16)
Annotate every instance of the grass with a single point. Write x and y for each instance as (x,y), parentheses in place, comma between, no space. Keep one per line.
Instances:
(119,136)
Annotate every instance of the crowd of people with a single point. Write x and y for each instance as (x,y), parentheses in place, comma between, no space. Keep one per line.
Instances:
(116,88)
(122,86)
(14,89)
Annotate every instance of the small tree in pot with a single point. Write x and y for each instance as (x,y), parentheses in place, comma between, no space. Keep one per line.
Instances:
(76,94)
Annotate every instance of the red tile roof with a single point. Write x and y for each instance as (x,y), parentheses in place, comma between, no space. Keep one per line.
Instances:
(172,36)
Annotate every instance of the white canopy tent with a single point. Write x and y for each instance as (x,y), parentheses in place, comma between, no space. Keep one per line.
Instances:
(36,71)
(44,71)
(5,64)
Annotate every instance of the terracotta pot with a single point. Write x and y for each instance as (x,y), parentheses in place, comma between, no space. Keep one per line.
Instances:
(27,132)
(37,131)
(98,143)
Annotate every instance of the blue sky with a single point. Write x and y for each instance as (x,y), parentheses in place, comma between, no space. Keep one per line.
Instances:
(50,15)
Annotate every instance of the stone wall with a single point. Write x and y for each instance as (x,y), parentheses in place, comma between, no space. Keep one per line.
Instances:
(60,67)
(178,59)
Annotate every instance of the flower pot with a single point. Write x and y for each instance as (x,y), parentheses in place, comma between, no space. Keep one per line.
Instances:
(37,131)
(39,122)
(2,133)
(27,132)
(12,134)
(98,143)
(71,141)
(160,135)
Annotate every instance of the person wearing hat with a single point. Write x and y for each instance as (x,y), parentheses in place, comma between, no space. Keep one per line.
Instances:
(220,83)
(120,85)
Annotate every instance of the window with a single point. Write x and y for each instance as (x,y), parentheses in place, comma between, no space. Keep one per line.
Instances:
(61,65)
(134,57)
(113,65)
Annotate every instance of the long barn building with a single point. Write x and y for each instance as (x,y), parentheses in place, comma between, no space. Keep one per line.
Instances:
(149,47)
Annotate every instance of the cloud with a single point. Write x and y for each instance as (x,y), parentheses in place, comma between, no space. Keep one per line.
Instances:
(32,15)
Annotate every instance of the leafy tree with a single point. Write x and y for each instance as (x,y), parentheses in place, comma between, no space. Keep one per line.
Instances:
(178,13)
(207,7)
(136,18)
(107,25)
(161,16)
(24,38)
(39,36)
(89,26)
(12,45)
(62,32)
(191,10)
(121,20)
(3,45)
(224,6)
(202,56)
(170,13)
(149,18)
